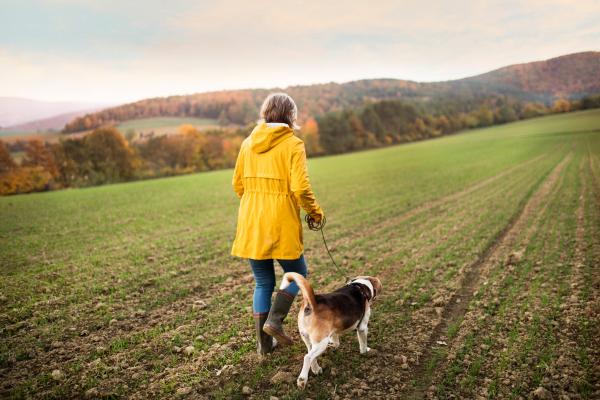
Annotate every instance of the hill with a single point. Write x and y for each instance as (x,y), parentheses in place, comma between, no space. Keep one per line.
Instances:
(57,122)
(572,76)
(17,111)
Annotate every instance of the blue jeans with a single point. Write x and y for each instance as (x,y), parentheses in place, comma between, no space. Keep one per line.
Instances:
(264,274)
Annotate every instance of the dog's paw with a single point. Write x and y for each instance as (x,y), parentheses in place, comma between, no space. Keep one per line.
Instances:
(318,371)
(301,382)
(366,352)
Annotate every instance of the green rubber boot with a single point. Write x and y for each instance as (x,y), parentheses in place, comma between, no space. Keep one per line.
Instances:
(279,310)
(264,343)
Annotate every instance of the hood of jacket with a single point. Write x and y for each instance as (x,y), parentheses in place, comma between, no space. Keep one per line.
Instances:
(264,137)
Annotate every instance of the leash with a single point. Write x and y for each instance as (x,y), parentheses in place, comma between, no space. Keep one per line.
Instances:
(318,226)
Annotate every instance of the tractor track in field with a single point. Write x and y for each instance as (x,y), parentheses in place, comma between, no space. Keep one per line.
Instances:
(580,229)
(477,269)
(424,249)
(361,233)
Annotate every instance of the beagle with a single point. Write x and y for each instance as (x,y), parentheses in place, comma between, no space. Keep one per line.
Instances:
(324,317)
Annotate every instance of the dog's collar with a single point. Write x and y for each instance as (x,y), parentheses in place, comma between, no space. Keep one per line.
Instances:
(357,283)
(366,283)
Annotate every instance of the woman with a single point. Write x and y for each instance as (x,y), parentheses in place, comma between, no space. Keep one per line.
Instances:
(272,182)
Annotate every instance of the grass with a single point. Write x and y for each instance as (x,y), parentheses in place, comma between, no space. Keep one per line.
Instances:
(73,261)
(17,156)
(164,125)
(8,132)
(13,136)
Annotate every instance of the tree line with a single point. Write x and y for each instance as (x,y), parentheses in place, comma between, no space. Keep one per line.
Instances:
(104,156)
(390,121)
(242,106)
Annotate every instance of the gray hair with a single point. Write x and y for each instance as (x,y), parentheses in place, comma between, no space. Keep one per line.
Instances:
(279,107)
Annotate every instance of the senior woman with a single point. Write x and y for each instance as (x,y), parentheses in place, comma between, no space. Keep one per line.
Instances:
(271,180)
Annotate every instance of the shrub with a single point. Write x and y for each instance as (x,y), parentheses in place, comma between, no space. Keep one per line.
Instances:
(25,180)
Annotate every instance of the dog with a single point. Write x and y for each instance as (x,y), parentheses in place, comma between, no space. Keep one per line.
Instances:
(324,317)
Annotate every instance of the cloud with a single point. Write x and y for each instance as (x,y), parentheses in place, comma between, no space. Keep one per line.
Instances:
(122,51)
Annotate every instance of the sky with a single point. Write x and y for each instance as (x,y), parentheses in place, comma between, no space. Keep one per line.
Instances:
(122,51)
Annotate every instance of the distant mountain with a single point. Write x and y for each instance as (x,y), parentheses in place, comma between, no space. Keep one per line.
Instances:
(16,110)
(572,77)
(50,124)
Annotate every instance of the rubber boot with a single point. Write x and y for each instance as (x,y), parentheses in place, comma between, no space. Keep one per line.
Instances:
(279,310)
(264,343)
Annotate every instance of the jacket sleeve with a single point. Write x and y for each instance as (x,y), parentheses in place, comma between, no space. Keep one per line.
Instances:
(238,175)
(300,185)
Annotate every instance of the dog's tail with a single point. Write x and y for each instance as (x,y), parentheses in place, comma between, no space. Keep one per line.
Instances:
(307,290)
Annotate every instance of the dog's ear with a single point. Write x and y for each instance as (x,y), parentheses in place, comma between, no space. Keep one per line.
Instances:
(377,286)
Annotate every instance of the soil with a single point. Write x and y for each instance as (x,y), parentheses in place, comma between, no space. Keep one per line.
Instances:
(520,320)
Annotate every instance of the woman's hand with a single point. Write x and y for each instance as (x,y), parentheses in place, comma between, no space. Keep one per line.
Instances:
(321,216)
(313,224)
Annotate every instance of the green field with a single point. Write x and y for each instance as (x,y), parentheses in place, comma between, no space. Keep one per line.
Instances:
(51,137)
(4,133)
(437,221)
(164,125)
(148,123)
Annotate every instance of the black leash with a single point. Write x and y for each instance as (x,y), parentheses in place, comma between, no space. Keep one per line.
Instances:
(318,226)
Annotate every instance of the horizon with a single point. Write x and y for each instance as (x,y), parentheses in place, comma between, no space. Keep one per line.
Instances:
(77,51)
(107,104)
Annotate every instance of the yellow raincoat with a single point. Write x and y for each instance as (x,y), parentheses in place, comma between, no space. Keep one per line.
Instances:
(271,180)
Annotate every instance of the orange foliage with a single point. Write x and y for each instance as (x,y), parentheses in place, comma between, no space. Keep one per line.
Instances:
(38,155)
(310,137)
(6,161)
(107,149)
(24,180)
(561,106)
(188,131)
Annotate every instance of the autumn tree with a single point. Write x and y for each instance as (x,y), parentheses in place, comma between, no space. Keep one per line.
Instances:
(590,102)
(444,124)
(38,155)
(532,110)
(110,156)
(231,149)
(336,132)
(372,123)
(223,120)
(506,114)
(6,161)
(130,134)
(188,131)
(25,180)
(310,136)
(485,116)
(213,151)
(561,106)
(470,120)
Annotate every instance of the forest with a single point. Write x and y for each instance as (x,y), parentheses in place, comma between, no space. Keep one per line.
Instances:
(242,106)
(105,156)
